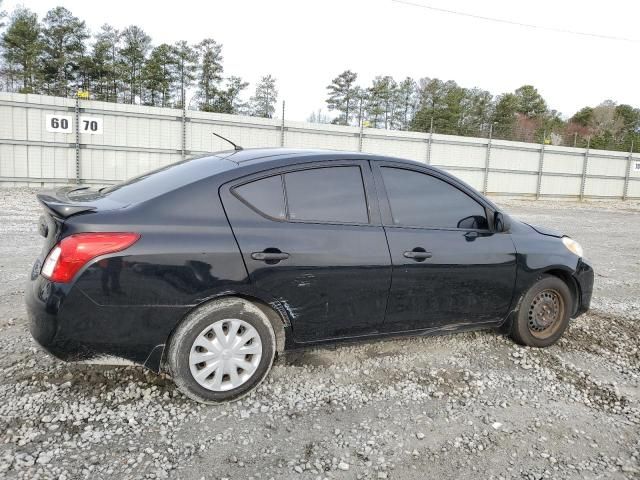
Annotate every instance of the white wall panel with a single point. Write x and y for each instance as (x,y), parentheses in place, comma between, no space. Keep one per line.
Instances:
(633,190)
(473,178)
(561,163)
(511,159)
(136,139)
(458,155)
(560,185)
(603,187)
(396,147)
(515,183)
(610,166)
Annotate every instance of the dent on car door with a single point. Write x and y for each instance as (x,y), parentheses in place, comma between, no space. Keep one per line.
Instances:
(311,238)
(449,268)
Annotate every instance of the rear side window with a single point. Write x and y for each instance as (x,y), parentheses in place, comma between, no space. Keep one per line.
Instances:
(265,195)
(327,194)
(420,200)
(332,194)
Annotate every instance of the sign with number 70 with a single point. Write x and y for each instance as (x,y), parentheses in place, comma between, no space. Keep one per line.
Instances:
(92,125)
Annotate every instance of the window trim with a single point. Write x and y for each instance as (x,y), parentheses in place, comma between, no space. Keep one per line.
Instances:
(387,215)
(367,187)
(255,209)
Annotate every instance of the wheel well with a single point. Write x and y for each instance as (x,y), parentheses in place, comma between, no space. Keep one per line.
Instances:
(570,282)
(277,322)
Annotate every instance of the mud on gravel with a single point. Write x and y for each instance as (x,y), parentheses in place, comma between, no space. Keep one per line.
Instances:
(470,405)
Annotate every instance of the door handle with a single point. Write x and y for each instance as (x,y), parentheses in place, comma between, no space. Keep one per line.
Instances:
(417,254)
(270,257)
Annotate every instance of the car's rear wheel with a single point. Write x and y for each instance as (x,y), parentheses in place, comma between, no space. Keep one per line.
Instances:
(544,313)
(221,351)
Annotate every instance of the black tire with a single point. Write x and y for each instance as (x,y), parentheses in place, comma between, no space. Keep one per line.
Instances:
(548,300)
(182,342)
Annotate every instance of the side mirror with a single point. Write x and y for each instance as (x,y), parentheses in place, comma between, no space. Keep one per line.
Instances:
(501,222)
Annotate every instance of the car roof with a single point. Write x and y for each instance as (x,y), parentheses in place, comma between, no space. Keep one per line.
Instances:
(265,155)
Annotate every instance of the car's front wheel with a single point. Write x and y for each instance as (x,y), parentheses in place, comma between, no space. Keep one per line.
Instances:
(544,313)
(221,351)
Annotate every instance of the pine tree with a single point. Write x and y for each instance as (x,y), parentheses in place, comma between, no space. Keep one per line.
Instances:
(209,74)
(133,53)
(185,69)
(504,116)
(21,48)
(63,37)
(405,103)
(264,99)
(343,95)
(105,65)
(440,102)
(159,75)
(477,108)
(229,99)
(3,14)
(382,96)
(375,104)
(530,102)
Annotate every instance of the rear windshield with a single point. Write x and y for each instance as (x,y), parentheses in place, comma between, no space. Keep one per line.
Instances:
(156,182)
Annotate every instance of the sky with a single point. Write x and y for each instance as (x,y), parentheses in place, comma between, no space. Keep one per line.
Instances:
(305,44)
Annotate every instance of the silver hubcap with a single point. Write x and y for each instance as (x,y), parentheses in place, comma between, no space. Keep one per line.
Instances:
(225,354)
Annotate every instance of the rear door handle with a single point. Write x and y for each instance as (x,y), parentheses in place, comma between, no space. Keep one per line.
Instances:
(269,256)
(417,255)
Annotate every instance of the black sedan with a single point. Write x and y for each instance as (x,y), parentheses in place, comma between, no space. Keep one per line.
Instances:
(209,267)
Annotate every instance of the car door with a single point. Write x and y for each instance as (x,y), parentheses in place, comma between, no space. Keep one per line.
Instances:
(311,237)
(449,267)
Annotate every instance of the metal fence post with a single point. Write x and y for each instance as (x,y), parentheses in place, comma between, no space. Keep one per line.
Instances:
(282,127)
(625,191)
(585,164)
(540,166)
(487,161)
(430,141)
(361,125)
(184,131)
(77,132)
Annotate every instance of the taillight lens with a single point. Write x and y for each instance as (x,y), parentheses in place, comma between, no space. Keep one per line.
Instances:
(74,251)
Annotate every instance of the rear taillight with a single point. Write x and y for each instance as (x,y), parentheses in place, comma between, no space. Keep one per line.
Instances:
(74,251)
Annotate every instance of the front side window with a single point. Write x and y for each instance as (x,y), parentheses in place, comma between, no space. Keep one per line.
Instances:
(328,194)
(421,200)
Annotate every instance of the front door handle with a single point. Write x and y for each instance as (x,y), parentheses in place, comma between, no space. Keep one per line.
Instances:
(270,256)
(418,254)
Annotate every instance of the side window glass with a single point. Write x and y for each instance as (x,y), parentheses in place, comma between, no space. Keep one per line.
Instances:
(328,194)
(421,200)
(265,196)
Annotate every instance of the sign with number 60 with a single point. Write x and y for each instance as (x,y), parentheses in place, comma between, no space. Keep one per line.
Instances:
(59,123)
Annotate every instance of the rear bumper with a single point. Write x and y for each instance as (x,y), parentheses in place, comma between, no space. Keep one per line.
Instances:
(584,276)
(70,326)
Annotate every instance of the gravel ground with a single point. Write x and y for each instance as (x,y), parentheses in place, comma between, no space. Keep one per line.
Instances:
(470,405)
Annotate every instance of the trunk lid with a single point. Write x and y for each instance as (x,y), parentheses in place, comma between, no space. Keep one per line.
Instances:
(62,203)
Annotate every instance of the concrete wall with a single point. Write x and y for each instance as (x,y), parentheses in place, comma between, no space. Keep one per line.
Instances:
(135,139)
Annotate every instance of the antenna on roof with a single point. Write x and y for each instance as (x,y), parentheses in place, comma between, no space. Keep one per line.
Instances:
(237,148)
